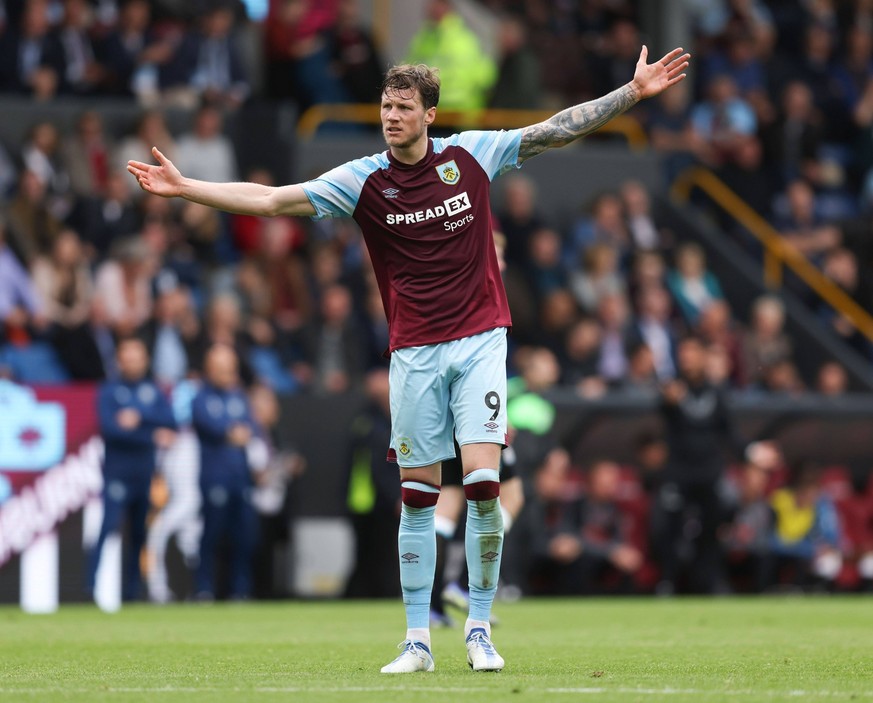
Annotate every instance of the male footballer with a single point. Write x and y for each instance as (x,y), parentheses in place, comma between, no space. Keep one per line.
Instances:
(423,207)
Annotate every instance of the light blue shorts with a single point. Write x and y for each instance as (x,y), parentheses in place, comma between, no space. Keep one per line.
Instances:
(440,391)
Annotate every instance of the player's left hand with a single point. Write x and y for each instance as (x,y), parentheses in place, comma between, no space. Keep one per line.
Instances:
(653,78)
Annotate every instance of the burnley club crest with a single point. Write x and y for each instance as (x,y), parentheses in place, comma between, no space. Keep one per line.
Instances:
(449,173)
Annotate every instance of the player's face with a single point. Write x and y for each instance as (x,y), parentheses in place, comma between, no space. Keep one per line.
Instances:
(404,119)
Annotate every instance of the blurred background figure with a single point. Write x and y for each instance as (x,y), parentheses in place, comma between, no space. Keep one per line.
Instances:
(222,418)
(136,420)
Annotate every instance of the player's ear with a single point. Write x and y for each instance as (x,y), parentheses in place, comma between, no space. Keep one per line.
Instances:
(430,115)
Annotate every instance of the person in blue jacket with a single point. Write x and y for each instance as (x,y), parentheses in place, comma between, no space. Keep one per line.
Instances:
(136,420)
(222,418)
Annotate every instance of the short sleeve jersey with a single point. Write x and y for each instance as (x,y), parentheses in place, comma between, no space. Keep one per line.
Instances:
(428,229)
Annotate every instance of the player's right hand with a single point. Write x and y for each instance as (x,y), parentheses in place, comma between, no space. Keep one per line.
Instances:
(163,179)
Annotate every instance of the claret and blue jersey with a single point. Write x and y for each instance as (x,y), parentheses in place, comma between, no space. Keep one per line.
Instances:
(428,228)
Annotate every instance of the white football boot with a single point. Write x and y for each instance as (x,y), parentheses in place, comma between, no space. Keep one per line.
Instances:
(481,655)
(415,657)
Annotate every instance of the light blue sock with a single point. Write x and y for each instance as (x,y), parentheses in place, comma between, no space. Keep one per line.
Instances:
(416,542)
(483,540)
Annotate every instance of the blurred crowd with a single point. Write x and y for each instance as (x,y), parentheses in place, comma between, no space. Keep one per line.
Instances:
(780,107)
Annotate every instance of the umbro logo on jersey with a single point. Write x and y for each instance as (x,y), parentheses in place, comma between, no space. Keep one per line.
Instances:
(390,192)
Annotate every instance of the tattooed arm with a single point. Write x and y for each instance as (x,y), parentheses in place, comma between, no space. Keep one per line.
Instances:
(575,122)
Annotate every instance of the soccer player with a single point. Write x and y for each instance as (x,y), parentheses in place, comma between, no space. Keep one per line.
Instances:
(423,207)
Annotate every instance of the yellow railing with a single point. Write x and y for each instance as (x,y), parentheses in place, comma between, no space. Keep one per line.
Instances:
(778,253)
(364,114)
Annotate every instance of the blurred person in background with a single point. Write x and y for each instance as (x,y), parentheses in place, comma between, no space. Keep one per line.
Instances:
(467,73)
(123,285)
(646,234)
(700,431)
(65,284)
(205,152)
(136,420)
(87,156)
(222,417)
(108,218)
(519,79)
(765,342)
(22,308)
(615,319)
(605,225)
(598,276)
(31,56)
(581,357)
(592,540)
(803,226)
(653,326)
(519,218)
(170,334)
(151,129)
(83,73)
(207,64)
(132,52)
(30,223)
(722,120)
(806,536)
(223,326)
(841,266)
(692,286)
(746,534)
(274,470)
(355,57)
(832,379)
(716,326)
(39,155)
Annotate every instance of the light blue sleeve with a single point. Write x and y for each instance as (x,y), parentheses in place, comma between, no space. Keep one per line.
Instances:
(495,150)
(336,193)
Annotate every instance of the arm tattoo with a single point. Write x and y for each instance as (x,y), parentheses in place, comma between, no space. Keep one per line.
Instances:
(575,122)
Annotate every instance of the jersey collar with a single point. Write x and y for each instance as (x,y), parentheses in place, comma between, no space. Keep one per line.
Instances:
(424,159)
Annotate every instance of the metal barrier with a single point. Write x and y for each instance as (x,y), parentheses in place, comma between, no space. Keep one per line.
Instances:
(364,114)
(778,253)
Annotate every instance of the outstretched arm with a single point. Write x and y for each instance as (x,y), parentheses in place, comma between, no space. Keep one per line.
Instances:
(575,122)
(164,179)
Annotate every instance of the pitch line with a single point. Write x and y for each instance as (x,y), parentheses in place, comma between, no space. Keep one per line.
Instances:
(577,691)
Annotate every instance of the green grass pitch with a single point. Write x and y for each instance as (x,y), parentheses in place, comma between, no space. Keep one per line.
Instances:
(619,650)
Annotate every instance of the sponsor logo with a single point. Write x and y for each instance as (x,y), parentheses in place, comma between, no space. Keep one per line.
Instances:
(448,208)
(32,434)
(492,426)
(390,192)
(409,558)
(449,173)
(490,557)
(405,446)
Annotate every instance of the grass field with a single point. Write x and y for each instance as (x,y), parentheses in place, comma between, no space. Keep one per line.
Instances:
(798,649)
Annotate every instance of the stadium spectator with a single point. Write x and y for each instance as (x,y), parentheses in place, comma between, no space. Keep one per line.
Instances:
(206,152)
(224,327)
(519,218)
(605,225)
(64,282)
(765,343)
(170,334)
(692,286)
(332,345)
(671,132)
(39,155)
(87,156)
(613,60)
(722,120)
(545,272)
(30,224)
(222,417)
(21,307)
(841,267)
(83,73)
(207,64)
(642,374)
(653,326)
(135,420)
(645,233)
(107,219)
(519,79)
(832,379)
(597,277)
(132,53)
(592,543)
(614,316)
(802,225)
(122,284)
(467,73)
(806,536)
(31,57)
(747,176)
(746,534)
(580,360)
(355,57)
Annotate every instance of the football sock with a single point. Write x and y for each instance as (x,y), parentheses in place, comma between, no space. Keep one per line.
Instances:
(416,542)
(483,540)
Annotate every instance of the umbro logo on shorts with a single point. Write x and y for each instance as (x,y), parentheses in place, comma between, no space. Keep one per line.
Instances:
(492,426)
(409,558)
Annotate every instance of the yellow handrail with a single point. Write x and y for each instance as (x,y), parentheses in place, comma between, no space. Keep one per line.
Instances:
(361,113)
(777,251)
